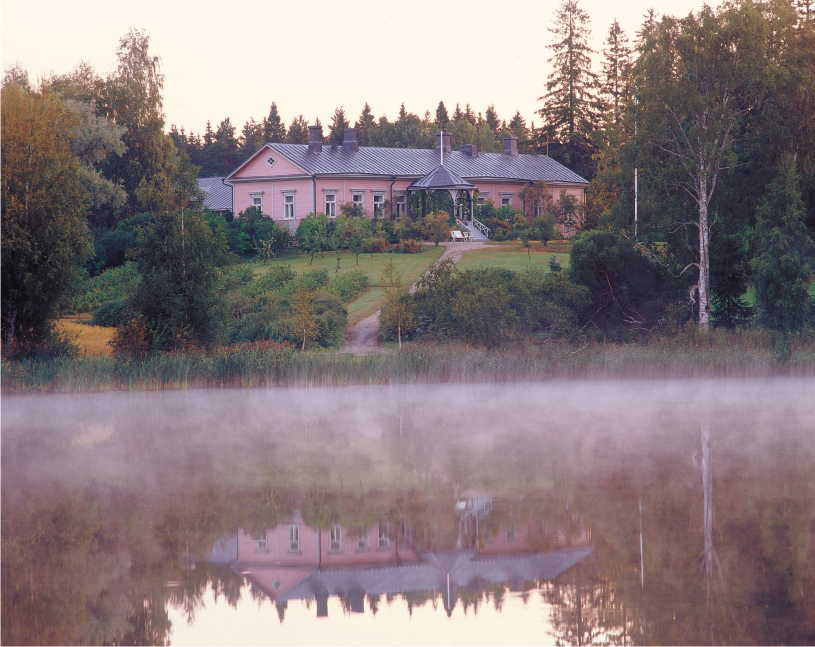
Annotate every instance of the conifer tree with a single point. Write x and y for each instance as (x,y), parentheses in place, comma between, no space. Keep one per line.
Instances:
(339,122)
(616,66)
(298,131)
(782,266)
(491,117)
(570,104)
(442,119)
(274,130)
(364,124)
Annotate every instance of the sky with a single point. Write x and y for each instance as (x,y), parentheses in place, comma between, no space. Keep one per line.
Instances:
(233,59)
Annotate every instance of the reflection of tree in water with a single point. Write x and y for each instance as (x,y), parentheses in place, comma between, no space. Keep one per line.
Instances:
(586,609)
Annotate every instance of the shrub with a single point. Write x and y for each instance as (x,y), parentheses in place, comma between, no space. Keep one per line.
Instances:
(409,246)
(273,281)
(131,339)
(348,286)
(114,284)
(112,314)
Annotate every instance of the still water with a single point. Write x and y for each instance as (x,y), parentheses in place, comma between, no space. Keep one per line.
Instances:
(609,512)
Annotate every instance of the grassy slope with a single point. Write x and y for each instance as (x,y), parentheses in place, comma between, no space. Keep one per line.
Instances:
(513,256)
(412,266)
(92,340)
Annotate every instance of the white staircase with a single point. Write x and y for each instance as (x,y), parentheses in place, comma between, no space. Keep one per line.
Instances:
(478,231)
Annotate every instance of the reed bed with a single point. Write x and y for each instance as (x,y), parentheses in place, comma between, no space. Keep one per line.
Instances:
(686,355)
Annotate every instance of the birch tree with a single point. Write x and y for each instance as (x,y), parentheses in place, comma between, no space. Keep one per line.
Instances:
(697,80)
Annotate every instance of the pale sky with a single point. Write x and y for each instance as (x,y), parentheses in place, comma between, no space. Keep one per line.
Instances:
(232,59)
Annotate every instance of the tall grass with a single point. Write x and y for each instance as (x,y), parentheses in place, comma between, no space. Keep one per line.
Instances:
(746,354)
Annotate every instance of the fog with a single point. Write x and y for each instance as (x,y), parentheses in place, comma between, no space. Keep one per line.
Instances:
(722,468)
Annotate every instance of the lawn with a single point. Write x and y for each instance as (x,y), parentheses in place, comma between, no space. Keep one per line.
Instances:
(92,340)
(512,255)
(412,266)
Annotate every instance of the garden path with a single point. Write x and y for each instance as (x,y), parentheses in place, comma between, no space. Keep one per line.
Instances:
(363,337)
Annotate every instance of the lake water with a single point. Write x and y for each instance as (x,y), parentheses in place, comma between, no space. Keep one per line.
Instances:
(565,512)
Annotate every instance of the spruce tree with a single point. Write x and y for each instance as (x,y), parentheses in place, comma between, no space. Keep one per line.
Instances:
(298,131)
(782,265)
(570,104)
(442,119)
(339,122)
(274,130)
(364,124)
(617,63)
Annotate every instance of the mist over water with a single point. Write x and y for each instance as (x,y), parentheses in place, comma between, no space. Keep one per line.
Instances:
(512,507)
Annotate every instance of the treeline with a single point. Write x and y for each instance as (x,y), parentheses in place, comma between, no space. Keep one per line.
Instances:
(221,151)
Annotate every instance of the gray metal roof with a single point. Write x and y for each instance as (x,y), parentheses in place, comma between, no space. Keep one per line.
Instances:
(418,162)
(441,178)
(465,569)
(217,195)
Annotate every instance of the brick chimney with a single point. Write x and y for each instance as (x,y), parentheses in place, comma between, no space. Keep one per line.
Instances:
(470,149)
(315,139)
(349,141)
(443,140)
(511,146)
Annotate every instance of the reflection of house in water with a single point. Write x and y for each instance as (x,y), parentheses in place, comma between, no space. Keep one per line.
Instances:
(293,561)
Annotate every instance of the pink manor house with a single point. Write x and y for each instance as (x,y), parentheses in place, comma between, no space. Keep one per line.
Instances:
(289,181)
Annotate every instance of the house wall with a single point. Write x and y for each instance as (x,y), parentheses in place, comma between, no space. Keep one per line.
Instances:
(273,197)
(258,167)
(345,188)
(351,554)
(277,542)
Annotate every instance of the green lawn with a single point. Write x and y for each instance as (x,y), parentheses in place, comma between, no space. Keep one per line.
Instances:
(412,266)
(513,256)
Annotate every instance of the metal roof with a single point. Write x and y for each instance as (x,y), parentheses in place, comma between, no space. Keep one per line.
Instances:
(441,178)
(464,570)
(217,195)
(418,162)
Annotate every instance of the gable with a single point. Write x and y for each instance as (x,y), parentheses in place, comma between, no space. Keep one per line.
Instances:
(258,166)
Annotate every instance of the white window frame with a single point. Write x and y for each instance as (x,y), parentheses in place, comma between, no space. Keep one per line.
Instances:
(262,544)
(335,540)
(330,205)
(288,205)
(401,204)
(508,198)
(364,542)
(256,200)
(482,199)
(294,538)
(378,201)
(358,197)
(271,161)
(384,539)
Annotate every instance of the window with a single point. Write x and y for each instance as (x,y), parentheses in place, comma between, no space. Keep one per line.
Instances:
(257,201)
(512,534)
(384,536)
(358,198)
(271,161)
(363,545)
(294,538)
(379,204)
(506,199)
(262,545)
(288,206)
(401,205)
(482,199)
(538,210)
(331,205)
(335,539)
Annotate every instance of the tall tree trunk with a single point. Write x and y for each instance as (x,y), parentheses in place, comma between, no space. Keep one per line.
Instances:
(703,286)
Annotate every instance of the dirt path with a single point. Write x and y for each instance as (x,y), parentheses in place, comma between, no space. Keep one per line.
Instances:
(363,337)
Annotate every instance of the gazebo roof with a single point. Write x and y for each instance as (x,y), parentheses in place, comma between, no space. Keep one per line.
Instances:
(441,178)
